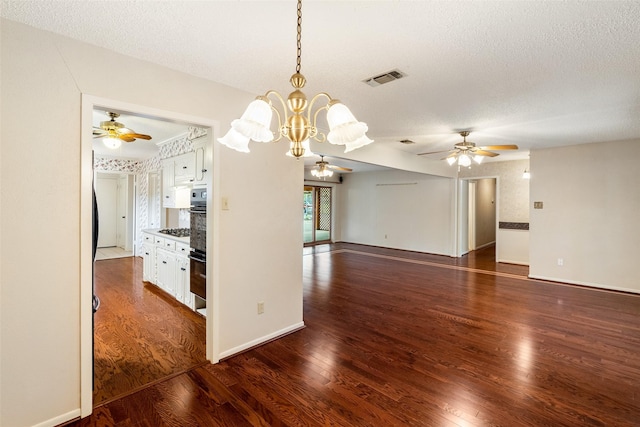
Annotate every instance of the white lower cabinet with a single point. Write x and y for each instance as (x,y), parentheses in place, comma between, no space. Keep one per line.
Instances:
(183,291)
(166,264)
(149,262)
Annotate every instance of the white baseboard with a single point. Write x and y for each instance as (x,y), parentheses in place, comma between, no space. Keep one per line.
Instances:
(508,261)
(52,422)
(588,284)
(261,340)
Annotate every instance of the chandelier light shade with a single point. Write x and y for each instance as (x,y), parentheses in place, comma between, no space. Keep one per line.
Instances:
(235,140)
(297,118)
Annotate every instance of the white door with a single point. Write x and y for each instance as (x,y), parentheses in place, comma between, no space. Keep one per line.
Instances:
(121,217)
(107,197)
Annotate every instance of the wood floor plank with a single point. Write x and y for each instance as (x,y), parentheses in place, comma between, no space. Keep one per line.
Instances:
(141,334)
(398,338)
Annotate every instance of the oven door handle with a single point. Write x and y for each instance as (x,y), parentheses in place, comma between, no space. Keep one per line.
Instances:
(203,261)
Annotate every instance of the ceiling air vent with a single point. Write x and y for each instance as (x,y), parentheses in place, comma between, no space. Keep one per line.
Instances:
(384,78)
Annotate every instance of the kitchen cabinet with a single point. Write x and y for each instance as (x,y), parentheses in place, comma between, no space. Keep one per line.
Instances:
(184,169)
(183,291)
(148,262)
(173,196)
(201,156)
(166,265)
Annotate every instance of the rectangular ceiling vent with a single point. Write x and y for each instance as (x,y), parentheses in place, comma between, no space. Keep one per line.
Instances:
(384,78)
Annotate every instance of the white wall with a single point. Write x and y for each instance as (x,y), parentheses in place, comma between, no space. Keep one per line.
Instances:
(591,196)
(398,209)
(43,77)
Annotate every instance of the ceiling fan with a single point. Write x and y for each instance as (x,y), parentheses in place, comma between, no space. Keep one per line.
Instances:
(323,169)
(115,132)
(464,151)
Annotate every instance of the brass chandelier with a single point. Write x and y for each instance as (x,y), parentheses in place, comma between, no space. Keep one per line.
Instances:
(297,121)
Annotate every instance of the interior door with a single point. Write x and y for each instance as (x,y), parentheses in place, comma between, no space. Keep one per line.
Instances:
(107,197)
(121,216)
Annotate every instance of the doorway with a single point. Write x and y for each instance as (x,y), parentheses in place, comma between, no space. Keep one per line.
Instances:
(316,215)
(115,194)
(89,104)
(477,215)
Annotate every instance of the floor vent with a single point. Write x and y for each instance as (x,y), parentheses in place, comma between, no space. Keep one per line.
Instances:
(384,78)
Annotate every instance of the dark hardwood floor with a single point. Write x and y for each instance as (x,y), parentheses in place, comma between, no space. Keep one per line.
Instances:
(141,334)
(398,338)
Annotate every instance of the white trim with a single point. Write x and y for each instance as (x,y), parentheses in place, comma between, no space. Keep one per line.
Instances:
(51,422)
(262,340)
(588,284)
(507,261)
(485,245)
(89,102)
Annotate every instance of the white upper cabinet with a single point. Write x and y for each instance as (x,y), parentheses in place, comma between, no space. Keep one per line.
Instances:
(184,168)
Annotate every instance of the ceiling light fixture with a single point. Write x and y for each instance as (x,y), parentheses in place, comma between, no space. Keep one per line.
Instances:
(322,173)
(300,124)
(526,174)
(112,142)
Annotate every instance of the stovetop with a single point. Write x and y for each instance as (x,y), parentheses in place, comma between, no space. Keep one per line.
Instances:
(177,232)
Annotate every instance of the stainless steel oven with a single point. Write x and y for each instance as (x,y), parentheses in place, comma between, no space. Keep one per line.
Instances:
(198,240)
(198,274)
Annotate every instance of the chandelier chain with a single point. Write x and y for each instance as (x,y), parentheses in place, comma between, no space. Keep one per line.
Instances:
(299,38)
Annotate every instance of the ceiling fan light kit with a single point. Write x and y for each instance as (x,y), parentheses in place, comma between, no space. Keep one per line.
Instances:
(323,169)
(463,152)
(297,121)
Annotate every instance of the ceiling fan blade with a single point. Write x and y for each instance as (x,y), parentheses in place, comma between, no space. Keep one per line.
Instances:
(434,152)
(134,135)
(499,147)
(126,138)
(478,152)
(340,168)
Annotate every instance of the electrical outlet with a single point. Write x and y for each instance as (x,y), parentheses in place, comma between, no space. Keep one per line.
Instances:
(560,261)
(260,307)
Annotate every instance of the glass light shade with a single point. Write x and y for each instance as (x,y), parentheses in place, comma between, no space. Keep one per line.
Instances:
(255,122)
(235,140)
(360,142)
(305,145)
(464,160)
(526,174)
(322,173)
(478,159)
(451,160)
(343,126)
(111,142)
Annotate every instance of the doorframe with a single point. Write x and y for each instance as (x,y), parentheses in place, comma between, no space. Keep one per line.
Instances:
(132,211)
(334,216)
(88,104)
(465,209)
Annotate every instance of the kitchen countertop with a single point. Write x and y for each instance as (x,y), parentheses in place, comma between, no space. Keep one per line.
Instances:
(156,232)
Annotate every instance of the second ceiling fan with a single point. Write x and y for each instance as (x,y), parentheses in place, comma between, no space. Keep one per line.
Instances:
(323,169)
(463,152)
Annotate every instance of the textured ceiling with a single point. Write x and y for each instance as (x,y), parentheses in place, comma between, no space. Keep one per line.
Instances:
(532,73)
